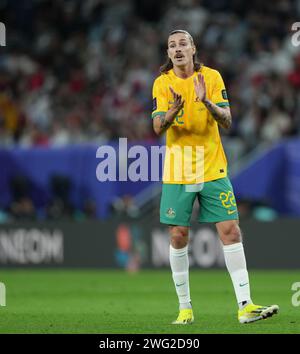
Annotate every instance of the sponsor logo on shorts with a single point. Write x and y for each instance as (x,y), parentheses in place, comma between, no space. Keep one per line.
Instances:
(231,212)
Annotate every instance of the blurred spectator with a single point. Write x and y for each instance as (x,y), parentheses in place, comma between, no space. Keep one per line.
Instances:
(82,71)
(125,206)
(89,209)
(60,207)
(21,207)
(264,213)
(244,208)
(257,210)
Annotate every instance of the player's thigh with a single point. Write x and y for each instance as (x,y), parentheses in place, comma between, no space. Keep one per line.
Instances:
(176,205)
(217,201)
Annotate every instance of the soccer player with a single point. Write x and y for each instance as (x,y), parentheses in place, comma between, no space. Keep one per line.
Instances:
(189,104)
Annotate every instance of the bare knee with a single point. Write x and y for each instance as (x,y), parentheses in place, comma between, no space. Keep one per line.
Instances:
(229,232)
(178,236)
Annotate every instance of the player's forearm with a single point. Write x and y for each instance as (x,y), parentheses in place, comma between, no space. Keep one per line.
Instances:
(221,115)
(164,121)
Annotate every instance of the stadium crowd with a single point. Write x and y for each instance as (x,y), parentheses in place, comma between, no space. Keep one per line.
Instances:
(82,71)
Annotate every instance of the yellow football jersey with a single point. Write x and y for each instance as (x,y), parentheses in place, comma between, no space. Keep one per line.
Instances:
(194,151)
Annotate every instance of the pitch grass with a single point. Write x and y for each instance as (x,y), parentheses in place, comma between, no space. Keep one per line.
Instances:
(91,301)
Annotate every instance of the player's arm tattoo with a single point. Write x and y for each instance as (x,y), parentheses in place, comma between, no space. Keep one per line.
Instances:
(162,123)
(221,115)
(165,120)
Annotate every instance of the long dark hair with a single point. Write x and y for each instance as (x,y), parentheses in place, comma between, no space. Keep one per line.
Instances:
(168,65)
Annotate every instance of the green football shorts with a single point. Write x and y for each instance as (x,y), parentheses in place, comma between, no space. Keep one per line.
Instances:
(216,200)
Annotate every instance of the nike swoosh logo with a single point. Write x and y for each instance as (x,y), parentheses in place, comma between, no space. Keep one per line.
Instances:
(231,211)
(243,284)
(180,284)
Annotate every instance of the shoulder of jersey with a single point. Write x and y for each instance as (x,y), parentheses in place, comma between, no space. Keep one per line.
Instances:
(162,78)
(209,71)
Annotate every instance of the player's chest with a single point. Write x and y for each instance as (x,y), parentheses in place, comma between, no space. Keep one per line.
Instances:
(186,89)
(193,107)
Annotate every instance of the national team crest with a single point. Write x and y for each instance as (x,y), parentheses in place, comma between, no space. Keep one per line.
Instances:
(170,213)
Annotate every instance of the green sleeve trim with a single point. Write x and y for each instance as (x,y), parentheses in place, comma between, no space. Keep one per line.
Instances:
(223,104)
(157,114)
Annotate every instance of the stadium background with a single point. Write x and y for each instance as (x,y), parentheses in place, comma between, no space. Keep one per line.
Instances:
(78,75)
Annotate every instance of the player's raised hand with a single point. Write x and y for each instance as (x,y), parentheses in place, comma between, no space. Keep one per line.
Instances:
(200,87)
(178,101)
